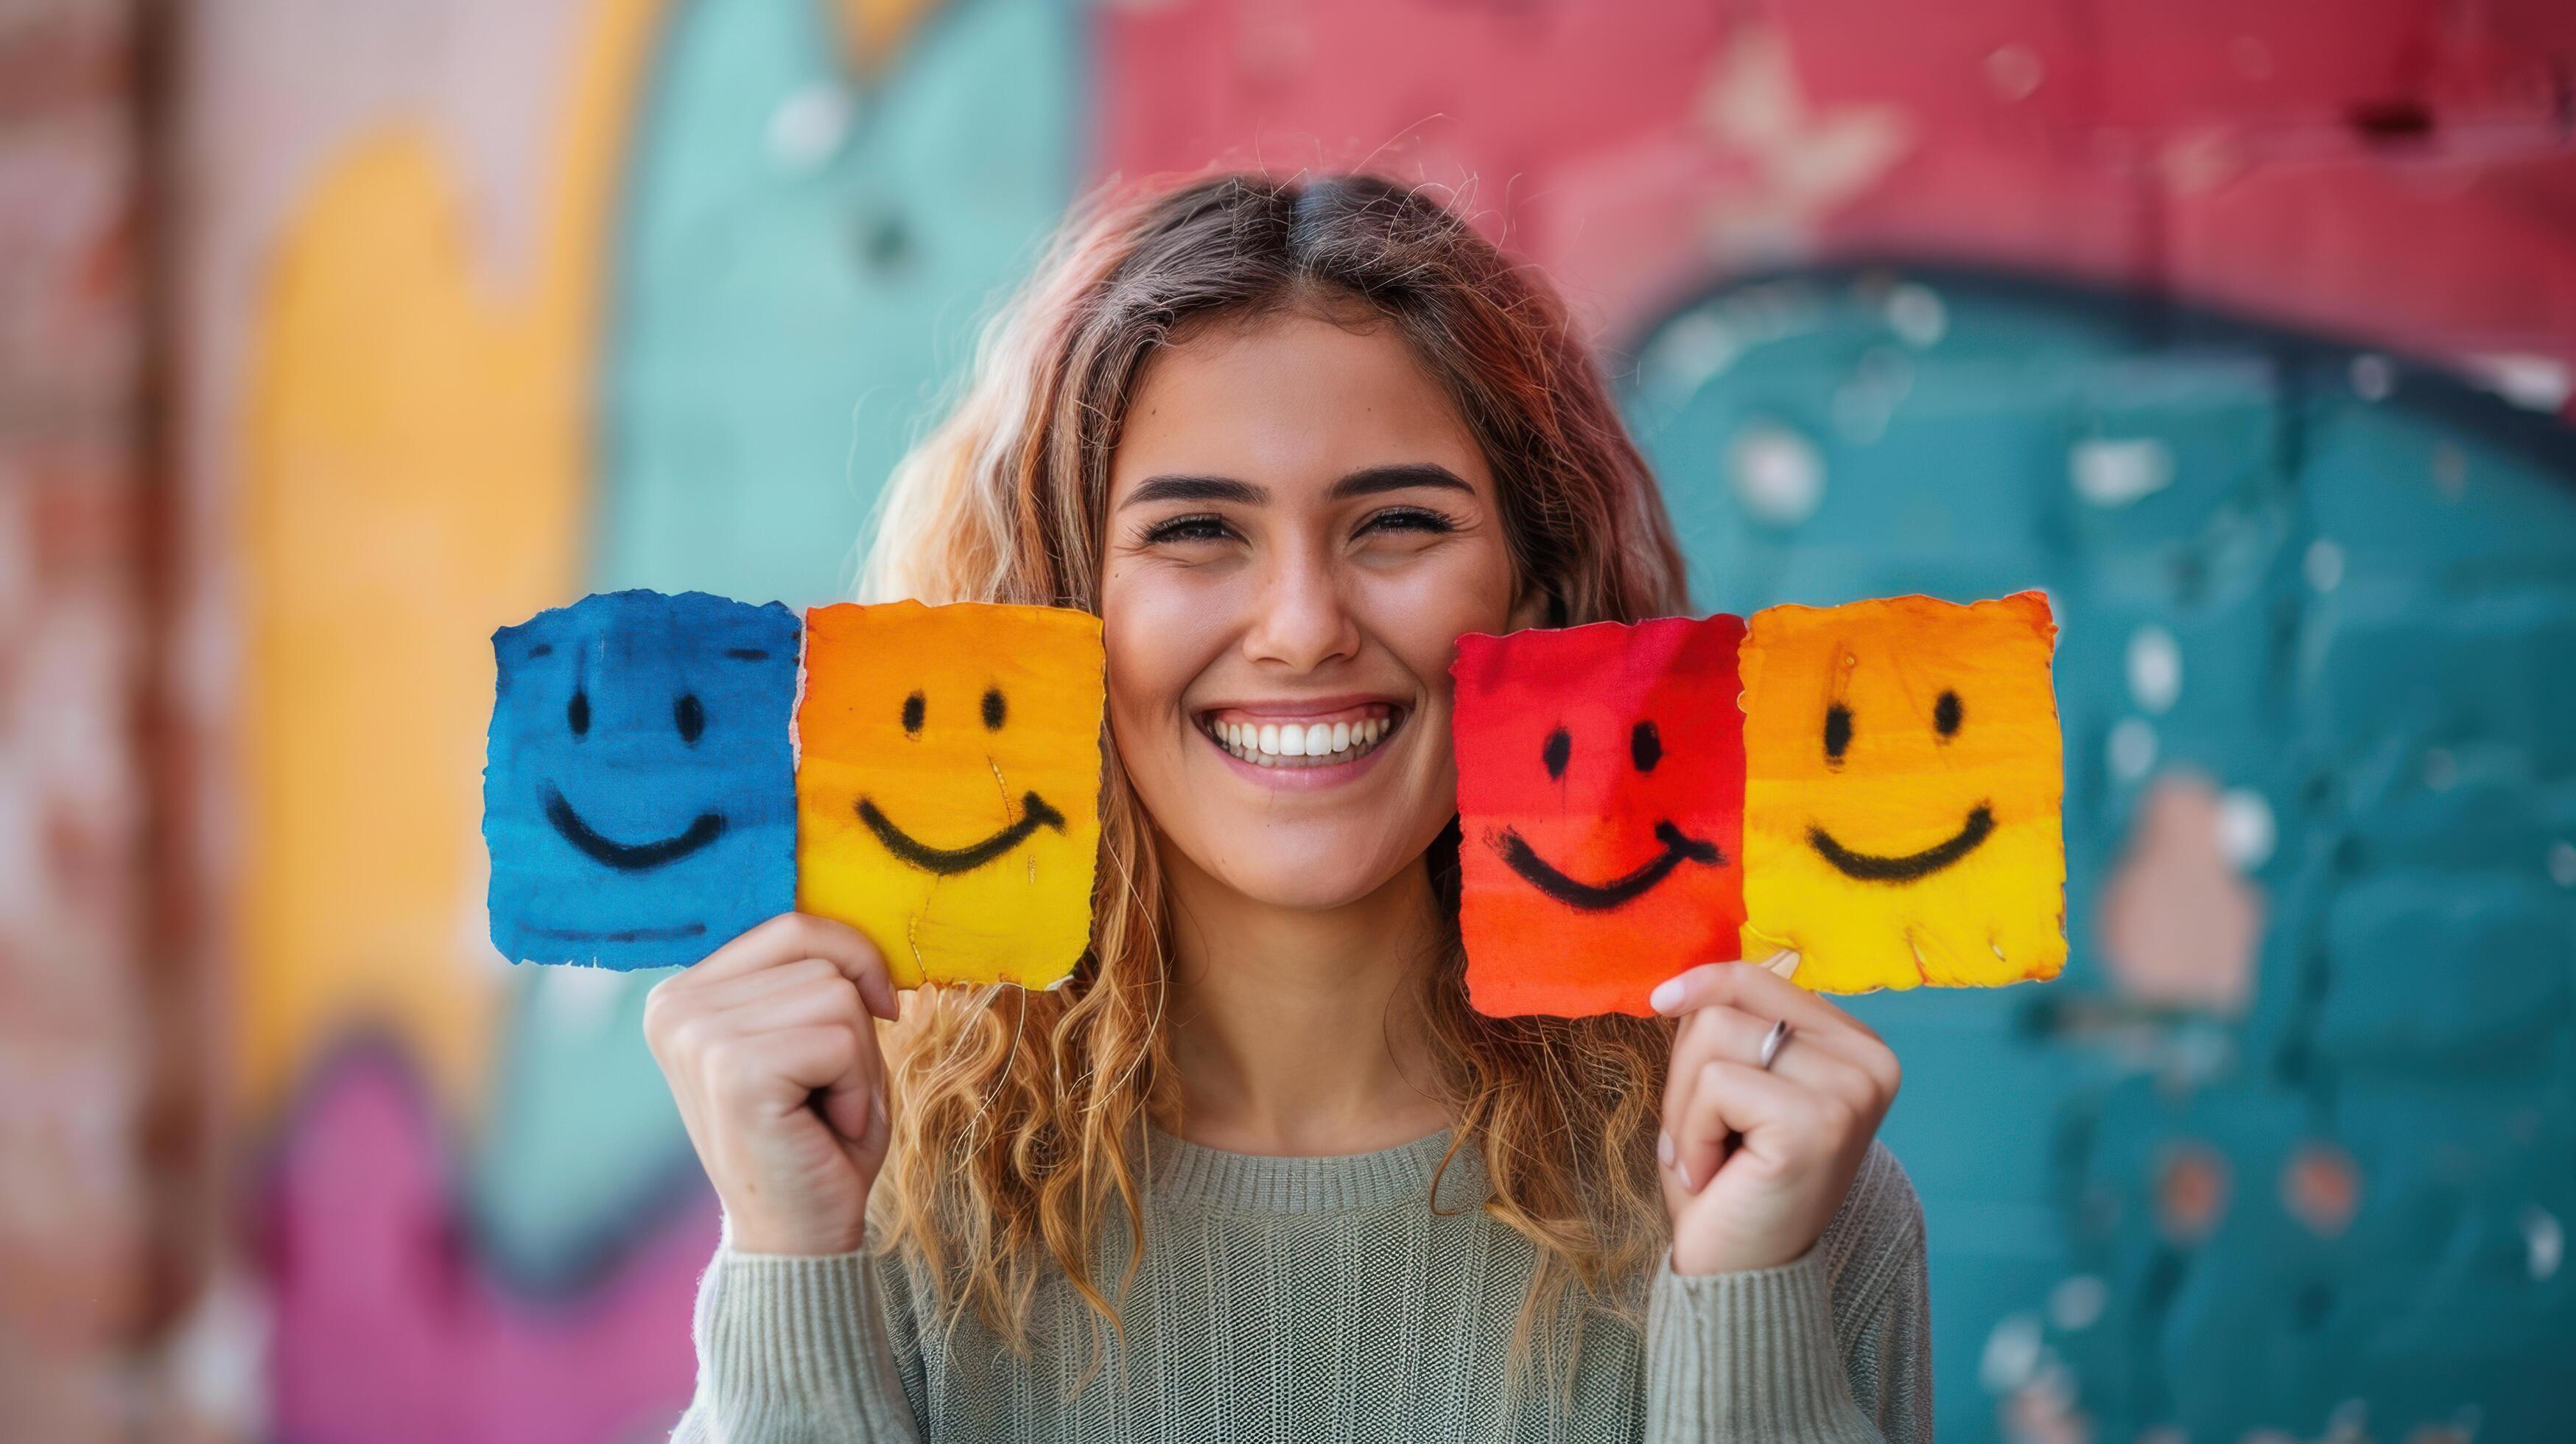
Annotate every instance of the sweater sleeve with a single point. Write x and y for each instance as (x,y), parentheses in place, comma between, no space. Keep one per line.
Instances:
(799,1351)
(1834,1348)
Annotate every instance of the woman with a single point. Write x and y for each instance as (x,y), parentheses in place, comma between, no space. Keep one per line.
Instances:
(1257,1170)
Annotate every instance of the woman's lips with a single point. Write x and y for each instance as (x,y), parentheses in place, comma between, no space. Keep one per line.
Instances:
(1280,738)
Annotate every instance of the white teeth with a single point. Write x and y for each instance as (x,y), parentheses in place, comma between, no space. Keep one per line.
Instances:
(1263,744)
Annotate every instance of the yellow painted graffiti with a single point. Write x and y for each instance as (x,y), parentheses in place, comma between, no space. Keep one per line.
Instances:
(415,452)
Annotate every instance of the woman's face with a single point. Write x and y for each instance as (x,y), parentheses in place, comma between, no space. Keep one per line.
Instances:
(1299,527)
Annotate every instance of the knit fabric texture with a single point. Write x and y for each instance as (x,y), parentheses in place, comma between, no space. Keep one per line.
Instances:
(1296,1299)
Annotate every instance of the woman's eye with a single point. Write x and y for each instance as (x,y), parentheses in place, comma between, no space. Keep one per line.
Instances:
(1408,518)
(1205,527)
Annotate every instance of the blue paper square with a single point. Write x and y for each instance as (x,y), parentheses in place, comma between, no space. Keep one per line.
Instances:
(639,792)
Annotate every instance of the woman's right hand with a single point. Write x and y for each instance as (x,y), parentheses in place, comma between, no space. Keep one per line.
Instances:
(771,1052)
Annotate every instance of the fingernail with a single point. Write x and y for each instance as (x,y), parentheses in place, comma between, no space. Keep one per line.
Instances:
(1681,1171)
(1664,1149)
(1666,995)
(1783,962)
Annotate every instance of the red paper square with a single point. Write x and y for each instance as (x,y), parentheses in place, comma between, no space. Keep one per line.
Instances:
(1601,811)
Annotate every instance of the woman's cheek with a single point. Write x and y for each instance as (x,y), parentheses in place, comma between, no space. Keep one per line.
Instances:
(1420,611)
(1160,634)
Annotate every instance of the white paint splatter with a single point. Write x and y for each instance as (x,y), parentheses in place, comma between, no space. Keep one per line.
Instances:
(2015,71)
(1695,348)
(2323,565)
(1917,315)
(2076,1303)
(2247,832)
(2155,669)
(2011,1355)
(808,126)
(1779,475)
(2545,1241)
(2535,383)
(2132,748)
(2110,473)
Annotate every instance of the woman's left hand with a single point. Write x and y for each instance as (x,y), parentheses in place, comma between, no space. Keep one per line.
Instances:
(1756,1162)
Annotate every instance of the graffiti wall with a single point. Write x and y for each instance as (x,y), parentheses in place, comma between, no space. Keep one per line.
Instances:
(2247,332)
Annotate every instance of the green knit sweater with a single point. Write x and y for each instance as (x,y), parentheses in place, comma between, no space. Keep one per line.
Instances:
(1323,1298)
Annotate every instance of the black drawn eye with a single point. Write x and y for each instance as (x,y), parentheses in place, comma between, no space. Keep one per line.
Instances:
(1837,731)
(994,711)
(1559,748)
(912,709)
(1945,715)
(689,716)
(577,713)
(1645,746)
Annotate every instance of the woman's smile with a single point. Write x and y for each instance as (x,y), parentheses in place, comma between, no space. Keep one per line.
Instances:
(1320,742)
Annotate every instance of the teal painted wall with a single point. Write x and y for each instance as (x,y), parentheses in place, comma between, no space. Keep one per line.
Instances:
(804,258)
(2339,590)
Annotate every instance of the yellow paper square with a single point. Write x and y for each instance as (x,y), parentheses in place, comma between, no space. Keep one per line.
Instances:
(1903,784)
(948,785)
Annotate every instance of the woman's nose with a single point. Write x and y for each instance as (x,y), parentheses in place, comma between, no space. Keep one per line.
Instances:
(1302,618)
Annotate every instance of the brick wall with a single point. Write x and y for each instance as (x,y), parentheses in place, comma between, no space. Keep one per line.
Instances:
(94,1128)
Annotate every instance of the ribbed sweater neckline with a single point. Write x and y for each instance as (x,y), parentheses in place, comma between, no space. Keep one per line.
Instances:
(1193,1173)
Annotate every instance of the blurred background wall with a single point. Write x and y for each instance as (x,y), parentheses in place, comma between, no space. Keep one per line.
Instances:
(334,333)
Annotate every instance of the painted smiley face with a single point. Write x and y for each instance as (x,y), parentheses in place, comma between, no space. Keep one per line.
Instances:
(639,791)
(1902,792)
(1600,776)
(949,783)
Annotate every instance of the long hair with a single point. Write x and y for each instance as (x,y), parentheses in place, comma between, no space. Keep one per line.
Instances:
(1018,1119)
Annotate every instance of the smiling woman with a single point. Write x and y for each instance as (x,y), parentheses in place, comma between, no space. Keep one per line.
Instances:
(1256,1168)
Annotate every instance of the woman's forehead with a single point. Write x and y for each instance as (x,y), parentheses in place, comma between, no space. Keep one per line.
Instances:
(1290,401)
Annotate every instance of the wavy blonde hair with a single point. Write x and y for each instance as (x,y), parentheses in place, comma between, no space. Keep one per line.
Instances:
(1018,1121)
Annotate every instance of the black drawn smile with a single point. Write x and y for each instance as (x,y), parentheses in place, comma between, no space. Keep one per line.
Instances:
(1034,813)
(1679,847)
(630,856)
(1913,866)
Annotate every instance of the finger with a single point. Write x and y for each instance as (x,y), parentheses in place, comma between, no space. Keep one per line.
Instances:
(1756,990)
(1761,1113)
(777,1073)
(790,936)
(828,999)
(851,1070)
(1839,1063)
(852,1105)
(794,975)
(1708,1035)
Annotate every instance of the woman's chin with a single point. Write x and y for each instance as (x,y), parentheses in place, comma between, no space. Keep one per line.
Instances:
(1322,878)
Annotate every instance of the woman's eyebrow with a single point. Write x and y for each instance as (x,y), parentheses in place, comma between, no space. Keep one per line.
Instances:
(1375,479)
(1196,488)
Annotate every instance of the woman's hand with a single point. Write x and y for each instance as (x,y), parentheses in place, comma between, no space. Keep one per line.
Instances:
(770,1047)
(1756,1162)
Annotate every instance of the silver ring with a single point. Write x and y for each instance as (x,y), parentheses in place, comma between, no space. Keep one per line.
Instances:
(1774,1041)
